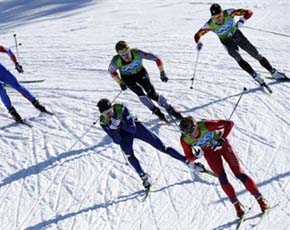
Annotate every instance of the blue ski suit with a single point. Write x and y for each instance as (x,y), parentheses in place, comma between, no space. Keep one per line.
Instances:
(128,130)
(8,78)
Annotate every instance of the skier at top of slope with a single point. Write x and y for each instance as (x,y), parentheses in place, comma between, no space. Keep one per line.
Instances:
(123,128)
(8,78)
(208,138)
(134,76)
(223,25)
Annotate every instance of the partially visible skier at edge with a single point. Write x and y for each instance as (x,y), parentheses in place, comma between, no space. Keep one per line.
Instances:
(8,78)
(222,23)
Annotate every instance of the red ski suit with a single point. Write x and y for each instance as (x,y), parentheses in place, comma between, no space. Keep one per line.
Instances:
(208,132)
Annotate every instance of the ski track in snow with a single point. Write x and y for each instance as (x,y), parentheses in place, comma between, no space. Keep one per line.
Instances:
(52,177)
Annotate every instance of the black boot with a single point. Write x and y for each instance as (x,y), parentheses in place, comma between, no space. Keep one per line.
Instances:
(40,107)
(15,115)
(146,180)
(174,113)
(159,114)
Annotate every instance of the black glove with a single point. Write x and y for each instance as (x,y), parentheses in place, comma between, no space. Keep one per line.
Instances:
(218,144)
(199,46)
(196,166)
(19,68)
(123,85)
(163,76)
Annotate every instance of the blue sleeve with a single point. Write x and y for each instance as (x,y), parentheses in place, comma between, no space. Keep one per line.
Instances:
(114,134)
(148,56)
(127,123)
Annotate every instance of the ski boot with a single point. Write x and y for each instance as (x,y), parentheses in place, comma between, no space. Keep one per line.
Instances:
(174,113)
(278,75)
(257,78)
(239,209)
(146,180)
(40,107)
(159,114)
(263,203)
(15,115)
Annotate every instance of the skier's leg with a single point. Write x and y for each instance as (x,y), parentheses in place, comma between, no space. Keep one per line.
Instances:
(246,45)
(10,79)
(4,97)
(231,157)
(127,148)
(233,51)
(149,137)
(134,162)
(141,95)
(214,161)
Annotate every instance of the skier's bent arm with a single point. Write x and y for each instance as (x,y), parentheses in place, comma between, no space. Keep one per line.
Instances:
(242,12)
(113,72)
(224,125)
(128,123)
(187,151)
(202,31)
(9,52)
(152,57)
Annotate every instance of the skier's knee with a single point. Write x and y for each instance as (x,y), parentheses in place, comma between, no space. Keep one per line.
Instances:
(223,178)
(242,176)
(153,95)
(129,154)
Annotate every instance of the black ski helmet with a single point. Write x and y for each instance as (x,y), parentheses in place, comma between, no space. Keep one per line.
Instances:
(104,104)
(215,9)
(186,123)
(121,45)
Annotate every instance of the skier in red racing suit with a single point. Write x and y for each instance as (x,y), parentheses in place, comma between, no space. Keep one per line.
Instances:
(208,138)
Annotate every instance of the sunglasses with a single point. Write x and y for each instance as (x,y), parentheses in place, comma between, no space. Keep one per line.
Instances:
(124,54)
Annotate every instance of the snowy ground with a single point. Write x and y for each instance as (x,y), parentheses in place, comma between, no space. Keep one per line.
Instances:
(52,179)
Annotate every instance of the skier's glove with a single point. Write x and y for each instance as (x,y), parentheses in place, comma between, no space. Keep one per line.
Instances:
(199,46)
(240,22)
(197,151)
(197,167)
(115,123)
(19,68)
(123,86)
(218,144)
(163,76)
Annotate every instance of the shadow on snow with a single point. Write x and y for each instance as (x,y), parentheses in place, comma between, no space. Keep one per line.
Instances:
(18,12)
(118,200)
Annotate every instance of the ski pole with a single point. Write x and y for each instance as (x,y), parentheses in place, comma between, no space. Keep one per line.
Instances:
(195,66)
(267,31)
(16,45)
(85,133)
(237,103)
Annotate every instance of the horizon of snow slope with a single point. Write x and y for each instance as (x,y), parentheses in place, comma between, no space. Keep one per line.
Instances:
(64,173)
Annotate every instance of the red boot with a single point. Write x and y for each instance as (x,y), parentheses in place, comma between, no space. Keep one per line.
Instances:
(239,209)
(263,203)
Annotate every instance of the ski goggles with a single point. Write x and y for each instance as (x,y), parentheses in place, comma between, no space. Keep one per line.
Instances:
(126,53)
